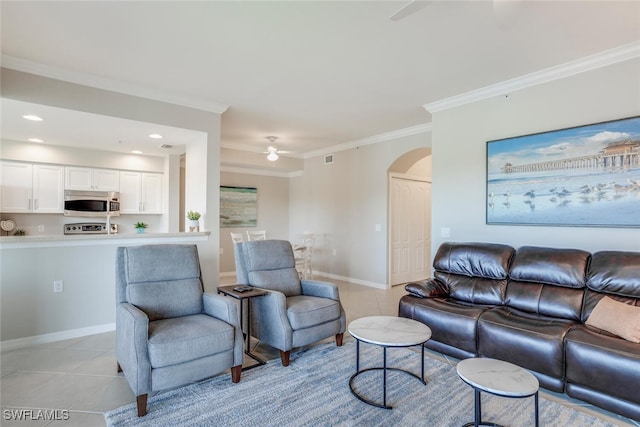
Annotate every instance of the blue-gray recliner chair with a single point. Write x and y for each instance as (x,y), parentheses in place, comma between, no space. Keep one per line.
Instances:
(168,331)
(294,313)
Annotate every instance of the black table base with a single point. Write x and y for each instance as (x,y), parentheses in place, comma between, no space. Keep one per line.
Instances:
(478,409)
(384,368)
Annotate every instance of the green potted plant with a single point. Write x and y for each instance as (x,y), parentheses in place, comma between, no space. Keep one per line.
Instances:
(140,226)
(194,220)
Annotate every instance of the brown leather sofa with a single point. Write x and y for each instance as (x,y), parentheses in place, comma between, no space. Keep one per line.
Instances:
(529,307)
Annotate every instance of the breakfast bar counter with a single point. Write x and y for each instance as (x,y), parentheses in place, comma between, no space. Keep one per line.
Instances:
(40,241)
(57,287)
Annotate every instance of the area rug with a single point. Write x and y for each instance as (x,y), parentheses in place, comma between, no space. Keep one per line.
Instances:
(314,391)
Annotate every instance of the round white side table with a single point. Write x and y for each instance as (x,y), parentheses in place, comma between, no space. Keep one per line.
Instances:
(499,378)
(387,331)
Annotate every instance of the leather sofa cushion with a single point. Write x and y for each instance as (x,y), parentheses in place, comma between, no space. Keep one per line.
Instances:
(546,300)
(427,288)
(486,260)
(559,267)
(618,318)
(529,340)
(599,361)
(473,272)
(475,290)
(451,322)
(615,272)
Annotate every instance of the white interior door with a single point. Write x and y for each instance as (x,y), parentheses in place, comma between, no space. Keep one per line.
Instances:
(410,239)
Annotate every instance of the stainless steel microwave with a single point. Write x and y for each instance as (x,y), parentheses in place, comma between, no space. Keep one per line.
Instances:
(91,203)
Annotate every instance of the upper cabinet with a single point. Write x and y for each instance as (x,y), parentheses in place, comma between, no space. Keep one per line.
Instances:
(31,188)
(39,187)
(77,178)
(140,192)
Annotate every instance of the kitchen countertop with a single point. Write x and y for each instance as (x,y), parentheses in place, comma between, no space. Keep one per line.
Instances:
(11,242)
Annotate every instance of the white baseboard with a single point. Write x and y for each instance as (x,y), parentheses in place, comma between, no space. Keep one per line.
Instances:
(331,276)
(55,336)
(351,280)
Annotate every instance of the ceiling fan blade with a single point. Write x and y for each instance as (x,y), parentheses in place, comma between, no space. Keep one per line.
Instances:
(410,8)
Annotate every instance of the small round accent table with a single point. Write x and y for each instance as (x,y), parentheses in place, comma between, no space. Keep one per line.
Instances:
(499,378)
(387,331)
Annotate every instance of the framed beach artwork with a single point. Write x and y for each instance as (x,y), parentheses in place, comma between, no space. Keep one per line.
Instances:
(581,176)
(238,206)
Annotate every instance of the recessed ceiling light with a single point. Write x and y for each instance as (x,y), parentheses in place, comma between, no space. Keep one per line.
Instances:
(36,140)
(155,136)
(32,117)
(137,152)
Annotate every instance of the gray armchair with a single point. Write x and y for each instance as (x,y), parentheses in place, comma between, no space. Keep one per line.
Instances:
(168,331)
(294,313)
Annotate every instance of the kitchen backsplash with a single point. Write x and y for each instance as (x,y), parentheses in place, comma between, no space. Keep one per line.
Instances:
(53,224)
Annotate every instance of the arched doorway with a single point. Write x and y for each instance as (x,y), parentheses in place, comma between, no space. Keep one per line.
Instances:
(409,201)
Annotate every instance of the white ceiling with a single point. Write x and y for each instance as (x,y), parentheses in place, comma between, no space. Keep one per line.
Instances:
(313,73)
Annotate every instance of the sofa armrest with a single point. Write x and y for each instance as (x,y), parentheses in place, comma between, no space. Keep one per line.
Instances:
(317,288)
(132,347)
(427,288)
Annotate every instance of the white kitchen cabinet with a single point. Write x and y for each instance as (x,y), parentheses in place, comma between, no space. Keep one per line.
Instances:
(140,192)
(31,188)
(48,188)
(77,178)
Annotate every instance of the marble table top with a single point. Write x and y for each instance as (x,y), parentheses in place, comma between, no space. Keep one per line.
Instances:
(389,331)
(497,377)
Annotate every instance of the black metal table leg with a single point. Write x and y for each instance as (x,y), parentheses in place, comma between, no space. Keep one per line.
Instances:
(384,368)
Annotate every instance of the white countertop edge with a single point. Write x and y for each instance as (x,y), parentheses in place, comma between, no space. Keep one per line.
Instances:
(18,242)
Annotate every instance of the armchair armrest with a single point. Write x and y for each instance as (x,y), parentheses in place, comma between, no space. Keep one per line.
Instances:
(317,288)
(427,288)
(270,321)
(222,308)
(226,309)
(132,350)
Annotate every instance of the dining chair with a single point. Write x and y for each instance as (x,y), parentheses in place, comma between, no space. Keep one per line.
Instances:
(303,252)
(256,235)
(236,237)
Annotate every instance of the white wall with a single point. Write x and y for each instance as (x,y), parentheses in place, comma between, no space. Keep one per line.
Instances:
(343,202)
(273,211)
(459,154)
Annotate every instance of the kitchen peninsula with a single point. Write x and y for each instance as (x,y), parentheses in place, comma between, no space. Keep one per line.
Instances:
(60,240)
(57,287)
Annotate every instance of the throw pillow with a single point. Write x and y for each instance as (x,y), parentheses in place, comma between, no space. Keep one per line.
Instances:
(616,317)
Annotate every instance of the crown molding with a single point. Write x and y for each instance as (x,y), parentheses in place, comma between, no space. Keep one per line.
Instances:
(258,171)
(388,136)
(602,59)
(23,65)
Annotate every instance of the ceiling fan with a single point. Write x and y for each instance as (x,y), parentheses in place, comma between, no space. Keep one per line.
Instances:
(272,152)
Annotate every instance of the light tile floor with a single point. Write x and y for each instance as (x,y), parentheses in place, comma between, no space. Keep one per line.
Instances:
(79,375)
